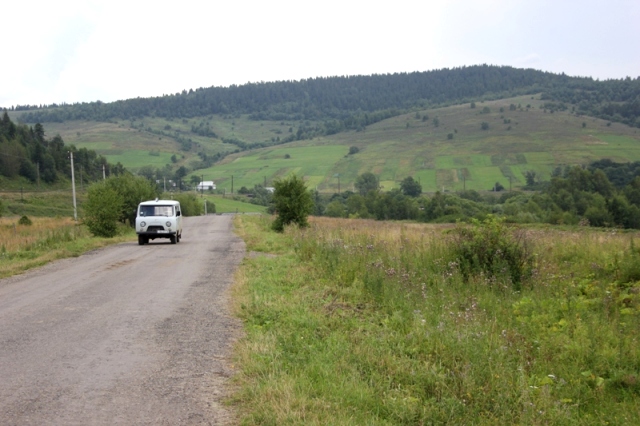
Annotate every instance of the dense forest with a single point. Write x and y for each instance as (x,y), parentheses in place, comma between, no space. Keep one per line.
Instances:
(25,151)
(350,102)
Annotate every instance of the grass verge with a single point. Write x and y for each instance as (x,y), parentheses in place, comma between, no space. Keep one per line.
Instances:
(23,247)
(359,322)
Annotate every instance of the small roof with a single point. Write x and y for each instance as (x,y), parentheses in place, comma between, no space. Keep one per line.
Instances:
(159,202)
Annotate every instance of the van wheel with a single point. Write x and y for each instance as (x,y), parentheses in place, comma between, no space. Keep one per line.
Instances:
(172,239)
(141,240)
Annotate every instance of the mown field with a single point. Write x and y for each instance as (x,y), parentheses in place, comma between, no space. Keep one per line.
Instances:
(445,148)
(226,204)
(358,322)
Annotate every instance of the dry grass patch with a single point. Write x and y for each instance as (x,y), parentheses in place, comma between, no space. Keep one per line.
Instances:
(23,247)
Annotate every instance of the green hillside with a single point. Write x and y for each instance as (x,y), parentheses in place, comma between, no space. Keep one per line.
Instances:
(153,141)
(527,138)
(418,124)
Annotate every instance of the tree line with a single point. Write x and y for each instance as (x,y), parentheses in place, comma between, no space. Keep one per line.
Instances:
(342,97)
(613,100)
(26,152)
(603,194)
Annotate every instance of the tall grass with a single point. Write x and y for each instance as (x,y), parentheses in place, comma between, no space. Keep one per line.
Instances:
(27,246)
(363,322)
(43,232)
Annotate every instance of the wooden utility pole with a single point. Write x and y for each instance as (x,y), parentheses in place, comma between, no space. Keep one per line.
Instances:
(73,187)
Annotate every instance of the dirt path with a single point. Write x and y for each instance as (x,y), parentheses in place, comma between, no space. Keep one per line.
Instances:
(124,335)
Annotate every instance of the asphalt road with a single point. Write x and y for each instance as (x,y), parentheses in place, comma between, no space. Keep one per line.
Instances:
(124,335)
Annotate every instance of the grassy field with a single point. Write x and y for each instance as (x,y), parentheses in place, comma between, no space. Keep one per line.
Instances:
(152,141)
(23,247)
(118,142)
(226,204)
(314,162)
(40,203)
(357,322)
(452,155)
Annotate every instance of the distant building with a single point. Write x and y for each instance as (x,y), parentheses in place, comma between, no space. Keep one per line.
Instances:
(270,189)
(206,185)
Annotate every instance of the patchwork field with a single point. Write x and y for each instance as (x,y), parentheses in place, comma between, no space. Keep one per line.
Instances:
(444,149)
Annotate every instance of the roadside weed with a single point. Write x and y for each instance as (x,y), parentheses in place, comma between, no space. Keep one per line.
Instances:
(364,322)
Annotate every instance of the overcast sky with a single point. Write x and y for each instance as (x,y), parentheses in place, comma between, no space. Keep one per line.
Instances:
(82,51)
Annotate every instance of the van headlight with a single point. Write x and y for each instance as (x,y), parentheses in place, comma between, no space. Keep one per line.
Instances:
(168,224)
(143,224)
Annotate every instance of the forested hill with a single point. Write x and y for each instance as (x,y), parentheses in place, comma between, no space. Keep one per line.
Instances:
(25,152)
(344,97)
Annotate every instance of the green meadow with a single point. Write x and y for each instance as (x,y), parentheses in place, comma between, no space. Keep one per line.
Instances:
(133,148)
(313,162)
(444,149)
(357,322)
(228,204)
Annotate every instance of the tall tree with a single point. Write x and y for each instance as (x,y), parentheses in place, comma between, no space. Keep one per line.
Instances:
(366,183)
(410,187)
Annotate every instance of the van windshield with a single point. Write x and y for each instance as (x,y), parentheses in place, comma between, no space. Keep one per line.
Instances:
(156,210)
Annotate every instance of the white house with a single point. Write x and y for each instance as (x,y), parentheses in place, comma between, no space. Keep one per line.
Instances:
(205,185)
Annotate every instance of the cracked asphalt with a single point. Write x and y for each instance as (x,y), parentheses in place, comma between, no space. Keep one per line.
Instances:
(129,334)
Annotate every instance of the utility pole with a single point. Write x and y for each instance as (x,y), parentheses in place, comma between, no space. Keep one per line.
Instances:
(73,187)
(202,189)
(231,184)
(104,175)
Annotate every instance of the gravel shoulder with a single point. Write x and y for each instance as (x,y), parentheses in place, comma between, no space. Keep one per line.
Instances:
(123,335)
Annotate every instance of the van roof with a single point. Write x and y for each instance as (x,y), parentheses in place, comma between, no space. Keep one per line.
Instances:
(160,202)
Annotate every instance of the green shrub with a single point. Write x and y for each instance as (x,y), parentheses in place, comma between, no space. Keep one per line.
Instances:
(102,210)
(189,204)
(491,249)
(292,202)
(335,209)
(131,191)
(211,206)
(24,220)
(626,269)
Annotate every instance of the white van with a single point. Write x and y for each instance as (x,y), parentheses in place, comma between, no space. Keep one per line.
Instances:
(159,219)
